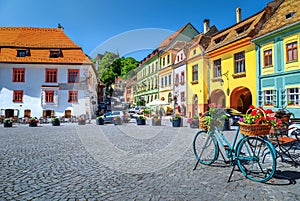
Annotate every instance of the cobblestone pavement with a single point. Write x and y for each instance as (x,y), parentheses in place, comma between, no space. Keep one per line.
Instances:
(126,162)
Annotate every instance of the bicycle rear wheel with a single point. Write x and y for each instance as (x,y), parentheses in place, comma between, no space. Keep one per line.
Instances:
(205,147)
(256,158)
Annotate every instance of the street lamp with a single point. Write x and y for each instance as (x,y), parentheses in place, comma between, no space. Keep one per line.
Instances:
(222,82)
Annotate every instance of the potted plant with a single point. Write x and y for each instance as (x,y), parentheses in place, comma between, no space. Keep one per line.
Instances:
(141,120)
(33,122)
(117,120)
(194,122)
(176,121)
(81,121)
(8,122)
(156,121)
(55,121)
(100,120)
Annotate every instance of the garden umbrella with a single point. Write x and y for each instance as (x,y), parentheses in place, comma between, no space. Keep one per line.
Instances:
(157,102)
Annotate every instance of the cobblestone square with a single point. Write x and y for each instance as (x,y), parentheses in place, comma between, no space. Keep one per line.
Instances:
(126,162)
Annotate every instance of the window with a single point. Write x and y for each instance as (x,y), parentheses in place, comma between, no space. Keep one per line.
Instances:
(194,51)
(292,52)
(73,76)
(267,58)
(18,96)
(268,97)
(23,53)
(164,61)
(168,59)
(195,73)
(73,97)
(166,80)
(293,96)
(217,68)
(289,15)
(51,75)
(182,77)
(170,79)
(49,96)
(182,96)
(162,82)
(239,62)
(176,79)
(55,53)
(18,75)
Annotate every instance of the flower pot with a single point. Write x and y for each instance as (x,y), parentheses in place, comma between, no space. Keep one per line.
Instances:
(140,121)
(33,124)
(81,122)
(194,124)
(100,122)
(7,124)
(176,122)
(117,122)
(156,122)
(56,123)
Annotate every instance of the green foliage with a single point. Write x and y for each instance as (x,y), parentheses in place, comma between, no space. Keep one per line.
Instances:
(142,117)
(139,103)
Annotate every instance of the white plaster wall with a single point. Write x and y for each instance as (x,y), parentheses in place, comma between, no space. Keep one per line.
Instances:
(34,79)
(180,87)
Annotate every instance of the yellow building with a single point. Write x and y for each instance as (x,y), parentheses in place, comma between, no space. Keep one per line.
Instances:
(232,62)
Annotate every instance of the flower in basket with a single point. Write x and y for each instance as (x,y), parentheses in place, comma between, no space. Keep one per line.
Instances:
(260,116)
(215,117)
(194,118)
(155,118)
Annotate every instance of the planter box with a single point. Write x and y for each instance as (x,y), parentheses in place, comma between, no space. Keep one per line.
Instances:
(176,123)
(7,124)
(56,123)
(156,123)
(140,121)
(100,122)
(32,124)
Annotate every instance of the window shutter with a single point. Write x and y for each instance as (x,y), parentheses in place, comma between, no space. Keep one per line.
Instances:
(283,97)
(275,98)
(260,98)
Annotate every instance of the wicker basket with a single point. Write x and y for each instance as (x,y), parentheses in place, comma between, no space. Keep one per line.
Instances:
(202,124)
(255,129)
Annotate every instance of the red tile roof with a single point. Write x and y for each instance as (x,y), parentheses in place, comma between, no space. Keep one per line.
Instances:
(39,41)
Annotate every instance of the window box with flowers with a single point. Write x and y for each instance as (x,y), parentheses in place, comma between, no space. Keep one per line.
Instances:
(194,122)
(55,121)
(141,120)
(268,104)
(8,122)
(33,122)
(258,122)
(156,121)
(100,120)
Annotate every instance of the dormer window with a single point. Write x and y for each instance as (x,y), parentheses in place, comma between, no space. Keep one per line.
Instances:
(23,53)
(220,39)
(243,28)
(55,53)
(289,15)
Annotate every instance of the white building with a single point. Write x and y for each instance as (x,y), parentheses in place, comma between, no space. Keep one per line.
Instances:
(43,73)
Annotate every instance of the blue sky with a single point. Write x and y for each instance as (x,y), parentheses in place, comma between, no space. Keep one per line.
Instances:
(132,27)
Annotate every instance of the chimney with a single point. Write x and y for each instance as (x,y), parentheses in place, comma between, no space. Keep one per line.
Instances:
(60,27)
(238,15)
(206,25)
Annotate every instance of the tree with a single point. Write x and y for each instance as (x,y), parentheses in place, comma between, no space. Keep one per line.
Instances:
(128,66)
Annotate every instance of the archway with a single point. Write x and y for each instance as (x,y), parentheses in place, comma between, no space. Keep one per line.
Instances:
(218,97)
(241,99)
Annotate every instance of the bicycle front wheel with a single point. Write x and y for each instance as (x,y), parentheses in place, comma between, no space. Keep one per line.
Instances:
(256,158)
(206,148)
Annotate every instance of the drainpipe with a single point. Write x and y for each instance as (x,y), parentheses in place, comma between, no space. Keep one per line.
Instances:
(258,70)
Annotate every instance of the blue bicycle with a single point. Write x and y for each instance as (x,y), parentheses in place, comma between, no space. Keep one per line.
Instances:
(255,157)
